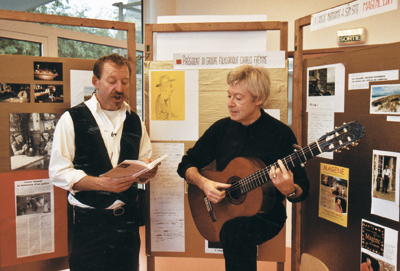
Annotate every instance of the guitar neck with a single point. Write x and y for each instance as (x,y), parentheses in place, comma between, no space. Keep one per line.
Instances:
(298,157)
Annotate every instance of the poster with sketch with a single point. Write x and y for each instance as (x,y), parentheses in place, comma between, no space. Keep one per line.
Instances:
(385,184)
(167,95)
(34,203)
(378,247)
(174,104)
(385,99)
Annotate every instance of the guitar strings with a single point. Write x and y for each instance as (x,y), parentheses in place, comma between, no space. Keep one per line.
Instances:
(264,172)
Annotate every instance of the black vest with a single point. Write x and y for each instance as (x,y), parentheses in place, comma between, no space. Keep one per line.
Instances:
(91,154)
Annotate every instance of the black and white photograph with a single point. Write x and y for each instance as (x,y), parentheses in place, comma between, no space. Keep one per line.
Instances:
(33,204)
(31,139)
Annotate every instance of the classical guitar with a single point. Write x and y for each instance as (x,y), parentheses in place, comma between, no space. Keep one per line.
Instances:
(251,191)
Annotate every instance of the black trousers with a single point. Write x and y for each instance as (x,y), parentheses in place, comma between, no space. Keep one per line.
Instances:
(103,241)
(385,184)
(240,238)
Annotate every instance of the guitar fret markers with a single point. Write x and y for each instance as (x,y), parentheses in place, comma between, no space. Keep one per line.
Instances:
(292,161)
(311,151)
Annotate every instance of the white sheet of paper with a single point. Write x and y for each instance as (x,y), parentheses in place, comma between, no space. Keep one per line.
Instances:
(382,204)
(167,44)
(225,60)
(349,12)
(276,113)
(361,80)
(336,75)
(81,85)
(167,190)
(321,119)
(382,237)
(34,219)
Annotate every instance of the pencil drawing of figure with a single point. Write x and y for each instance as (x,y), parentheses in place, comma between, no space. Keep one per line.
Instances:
(163,108)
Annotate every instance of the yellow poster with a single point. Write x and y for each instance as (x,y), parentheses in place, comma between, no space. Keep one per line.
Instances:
(167,95)
(333,195)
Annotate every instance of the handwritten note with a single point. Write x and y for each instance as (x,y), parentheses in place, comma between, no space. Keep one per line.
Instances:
(167,191)
(320,120)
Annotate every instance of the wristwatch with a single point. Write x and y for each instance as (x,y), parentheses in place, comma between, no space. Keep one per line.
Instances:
(293,193)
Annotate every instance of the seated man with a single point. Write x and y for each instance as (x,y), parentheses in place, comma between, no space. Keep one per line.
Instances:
(248,132)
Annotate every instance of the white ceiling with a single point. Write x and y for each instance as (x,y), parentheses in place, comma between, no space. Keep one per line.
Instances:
(22,5)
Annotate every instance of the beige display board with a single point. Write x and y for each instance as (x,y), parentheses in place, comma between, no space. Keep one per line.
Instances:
(84,22)
(212,106)
(19,73)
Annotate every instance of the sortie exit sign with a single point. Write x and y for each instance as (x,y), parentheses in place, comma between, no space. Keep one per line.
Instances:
(352,36)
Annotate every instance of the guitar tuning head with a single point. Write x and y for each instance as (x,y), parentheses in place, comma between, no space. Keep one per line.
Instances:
(354,143)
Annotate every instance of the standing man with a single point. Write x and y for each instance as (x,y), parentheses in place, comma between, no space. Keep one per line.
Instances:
(387,173)
(248,132)
(90,139)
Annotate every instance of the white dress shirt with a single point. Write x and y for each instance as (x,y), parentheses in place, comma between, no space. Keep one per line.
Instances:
(387,172)
(61,170)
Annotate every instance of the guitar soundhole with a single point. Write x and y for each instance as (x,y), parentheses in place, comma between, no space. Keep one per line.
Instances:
(233,194)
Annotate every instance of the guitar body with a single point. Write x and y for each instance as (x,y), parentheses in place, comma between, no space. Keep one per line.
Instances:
(235,204)
(251,191)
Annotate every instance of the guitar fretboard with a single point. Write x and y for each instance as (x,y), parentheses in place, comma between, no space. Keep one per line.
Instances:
(261,176)
(334,140)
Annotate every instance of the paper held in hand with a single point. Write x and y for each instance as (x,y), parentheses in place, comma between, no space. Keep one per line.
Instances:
(133,168)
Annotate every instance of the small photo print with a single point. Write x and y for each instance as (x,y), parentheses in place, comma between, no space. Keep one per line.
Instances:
(321,82)
(15,93)
(33,204)
(385,99)
(49,93)
(48,71)
(384,177)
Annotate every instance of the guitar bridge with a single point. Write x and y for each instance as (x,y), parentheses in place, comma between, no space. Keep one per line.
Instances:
(210,209)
